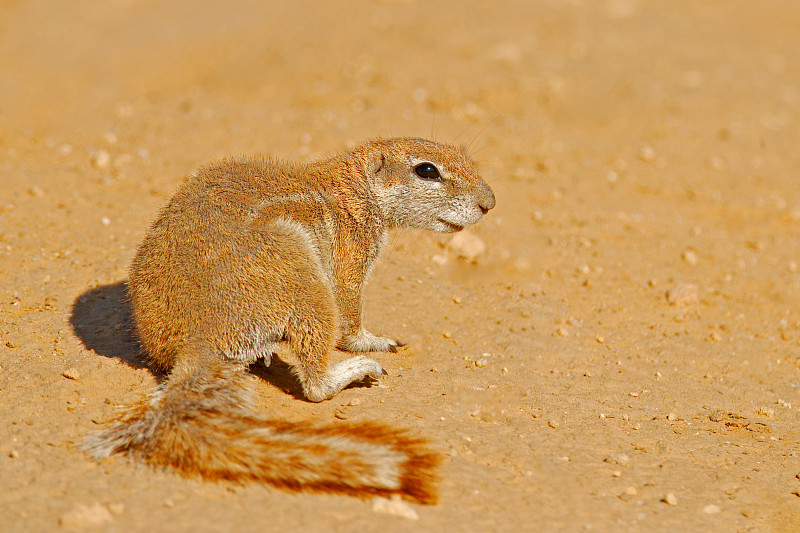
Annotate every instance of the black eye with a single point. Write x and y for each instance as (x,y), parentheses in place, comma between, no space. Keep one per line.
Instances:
(427,171)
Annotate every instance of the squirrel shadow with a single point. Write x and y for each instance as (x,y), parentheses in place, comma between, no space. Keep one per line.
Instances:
(102,319)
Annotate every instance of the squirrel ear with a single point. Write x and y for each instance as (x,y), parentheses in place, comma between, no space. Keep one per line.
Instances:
(378,164)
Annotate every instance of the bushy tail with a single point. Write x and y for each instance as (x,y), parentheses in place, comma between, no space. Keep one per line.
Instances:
(201,422)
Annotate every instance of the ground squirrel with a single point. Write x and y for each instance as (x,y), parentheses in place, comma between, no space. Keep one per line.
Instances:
(252,252)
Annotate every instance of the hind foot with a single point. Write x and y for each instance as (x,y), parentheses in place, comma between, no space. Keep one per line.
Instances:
(341,375)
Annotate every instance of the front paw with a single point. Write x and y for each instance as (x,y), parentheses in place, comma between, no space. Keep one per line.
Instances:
(364,341)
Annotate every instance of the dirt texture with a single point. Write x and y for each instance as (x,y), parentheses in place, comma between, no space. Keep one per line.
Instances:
(614,348)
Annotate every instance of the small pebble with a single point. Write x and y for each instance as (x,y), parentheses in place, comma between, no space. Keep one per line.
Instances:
(395,507)
(419,95)
(14,454)
(105,221)
(671,417)
(552,423)
(670,499)
(683,294)
(466,245)
(692,79)
(647,154)
(690,257)
(506,52)
(101,159)
(481,363)
(71,373)
(712,509)
(82,516)
(767,412)
(439,259)
(560,332)
(618,458)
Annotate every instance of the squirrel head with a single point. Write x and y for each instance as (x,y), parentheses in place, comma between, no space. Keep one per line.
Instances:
(424,184)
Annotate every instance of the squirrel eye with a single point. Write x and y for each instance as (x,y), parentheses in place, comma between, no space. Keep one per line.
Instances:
(427,171)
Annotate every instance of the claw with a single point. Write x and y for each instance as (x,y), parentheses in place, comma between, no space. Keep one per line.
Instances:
(384,372)
(395,345)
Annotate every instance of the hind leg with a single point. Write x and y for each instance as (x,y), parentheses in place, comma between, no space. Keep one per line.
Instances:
(311,334)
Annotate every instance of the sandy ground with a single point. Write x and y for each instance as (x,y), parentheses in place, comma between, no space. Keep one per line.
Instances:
(622,357)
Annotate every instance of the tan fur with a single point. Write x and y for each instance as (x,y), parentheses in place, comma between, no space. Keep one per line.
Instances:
(252,252)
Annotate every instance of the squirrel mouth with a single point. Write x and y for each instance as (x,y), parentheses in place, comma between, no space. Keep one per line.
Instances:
(450,226)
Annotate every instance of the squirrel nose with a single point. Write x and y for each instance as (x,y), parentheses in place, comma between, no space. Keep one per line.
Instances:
(486,200)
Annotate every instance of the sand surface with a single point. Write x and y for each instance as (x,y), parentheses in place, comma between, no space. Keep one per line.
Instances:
(622,356)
